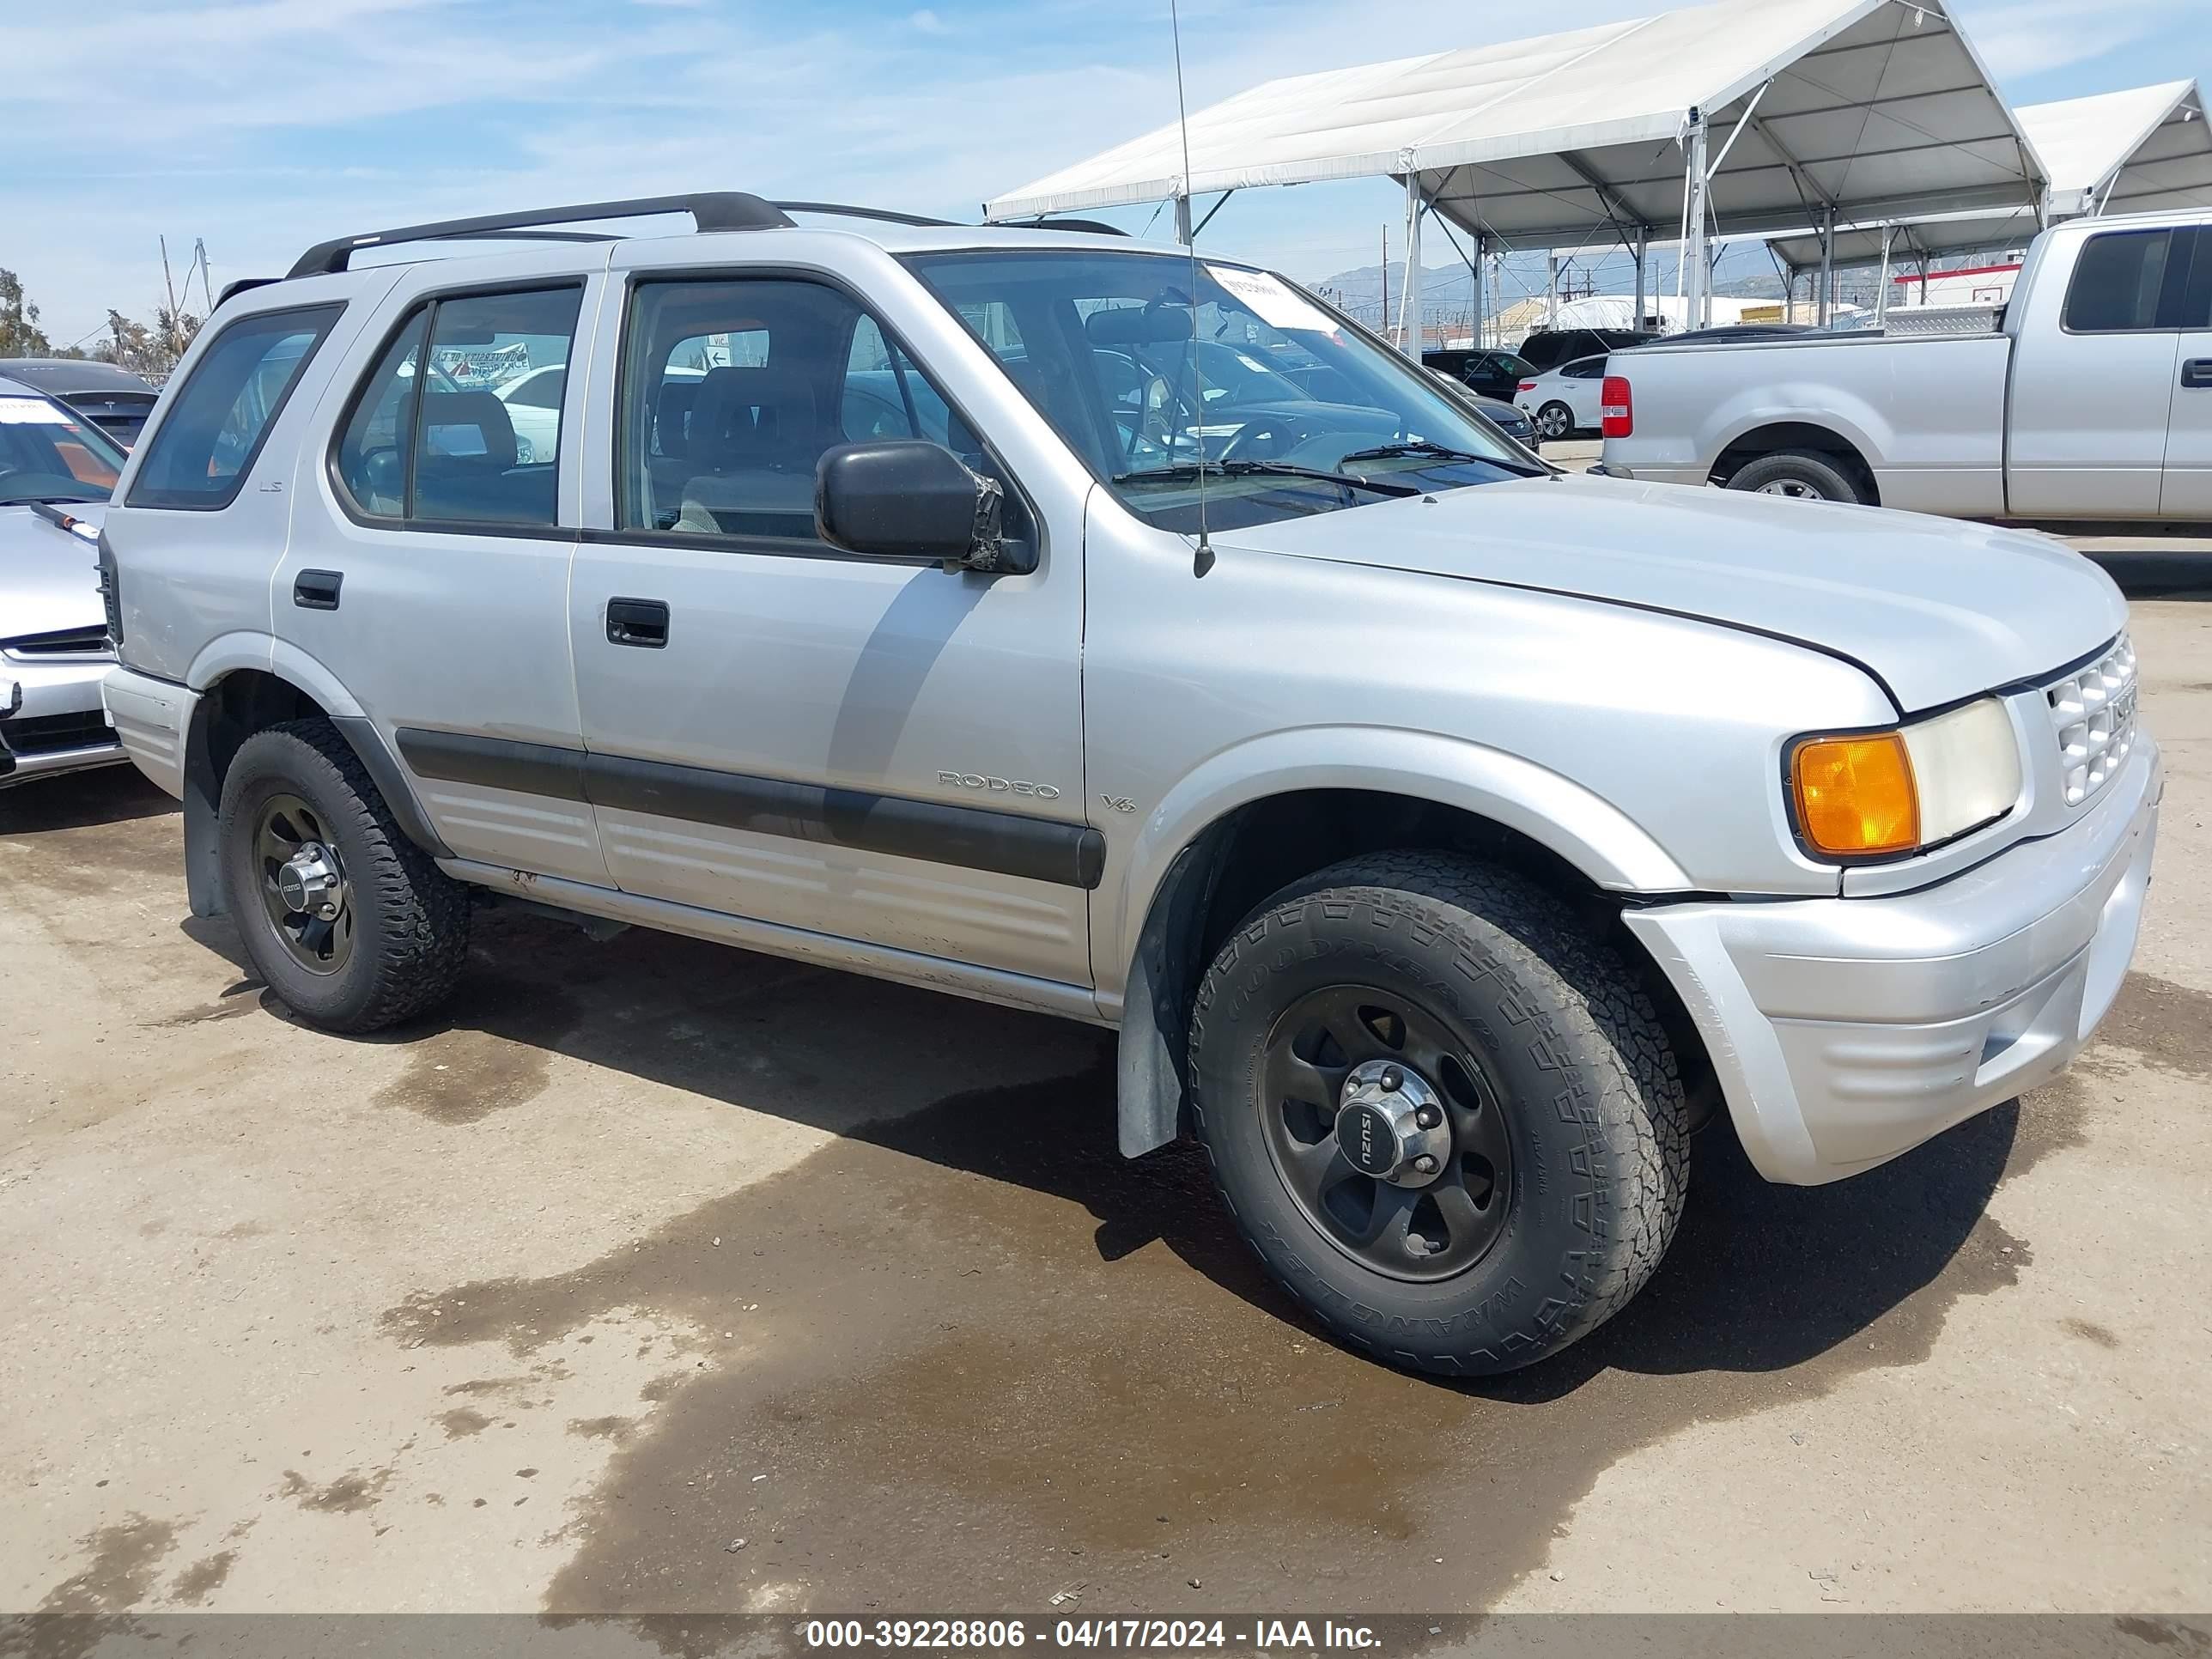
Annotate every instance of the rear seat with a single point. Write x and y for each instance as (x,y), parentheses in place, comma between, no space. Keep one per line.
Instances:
(465,469)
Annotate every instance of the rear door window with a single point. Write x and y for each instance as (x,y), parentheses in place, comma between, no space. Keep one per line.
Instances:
(213,433)
(459,421)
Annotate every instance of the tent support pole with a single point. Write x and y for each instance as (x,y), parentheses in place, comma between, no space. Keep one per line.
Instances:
(1827,268)
(1551,288)
(1642,255)
(1410,300)
(1697,311)
(1182,219)
(1881,294)
(1481,300)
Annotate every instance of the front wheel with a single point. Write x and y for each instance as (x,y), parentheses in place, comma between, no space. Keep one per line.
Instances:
(346,920)
(1445,1117)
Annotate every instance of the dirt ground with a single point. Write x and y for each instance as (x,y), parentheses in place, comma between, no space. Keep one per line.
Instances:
(660,1276)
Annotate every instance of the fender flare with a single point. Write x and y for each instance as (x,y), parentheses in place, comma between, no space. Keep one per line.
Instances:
(1169,873)
(1851,420)
(230,653)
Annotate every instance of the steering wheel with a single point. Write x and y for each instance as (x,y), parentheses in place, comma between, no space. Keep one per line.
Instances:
(1262,439)
(1155,423)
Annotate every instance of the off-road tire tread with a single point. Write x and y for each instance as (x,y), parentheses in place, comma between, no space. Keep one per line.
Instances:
(420,954)
(1589,1001)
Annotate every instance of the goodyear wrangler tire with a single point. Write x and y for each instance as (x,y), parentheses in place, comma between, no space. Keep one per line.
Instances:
(347,920)
(1445,1115)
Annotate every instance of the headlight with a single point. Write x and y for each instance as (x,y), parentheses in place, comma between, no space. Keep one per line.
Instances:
(1880,794)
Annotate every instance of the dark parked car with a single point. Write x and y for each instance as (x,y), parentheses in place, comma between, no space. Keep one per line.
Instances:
(114,399)
(1491,373)
(1548,348)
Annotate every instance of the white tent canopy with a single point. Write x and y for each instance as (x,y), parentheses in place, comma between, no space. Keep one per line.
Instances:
(1875,106)
(1866,109)
(2143,151)
(2125,152)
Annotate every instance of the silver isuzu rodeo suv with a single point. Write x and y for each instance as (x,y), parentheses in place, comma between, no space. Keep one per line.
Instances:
(1124,634)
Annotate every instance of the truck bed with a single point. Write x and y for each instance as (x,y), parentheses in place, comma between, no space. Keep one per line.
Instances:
(1926,410)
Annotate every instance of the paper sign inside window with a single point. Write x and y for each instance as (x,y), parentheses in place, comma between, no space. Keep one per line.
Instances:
(1274,301)
(31,411)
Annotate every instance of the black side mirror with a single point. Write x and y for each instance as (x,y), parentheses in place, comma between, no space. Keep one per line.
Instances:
(902,498)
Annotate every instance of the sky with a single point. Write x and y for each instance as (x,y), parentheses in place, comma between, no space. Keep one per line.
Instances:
(261,126)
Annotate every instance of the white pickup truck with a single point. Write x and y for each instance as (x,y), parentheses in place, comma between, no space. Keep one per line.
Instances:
(2085,403)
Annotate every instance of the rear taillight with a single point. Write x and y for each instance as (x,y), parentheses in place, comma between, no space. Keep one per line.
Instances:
(1617,408)
(111,593)
(1527,385)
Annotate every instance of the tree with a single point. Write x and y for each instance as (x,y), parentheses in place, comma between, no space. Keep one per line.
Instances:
(127,346)
(20,333)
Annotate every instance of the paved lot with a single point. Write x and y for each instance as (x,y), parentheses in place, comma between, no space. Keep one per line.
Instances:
(650,1248)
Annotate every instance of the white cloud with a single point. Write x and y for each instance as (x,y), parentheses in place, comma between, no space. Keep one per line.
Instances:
(928,21)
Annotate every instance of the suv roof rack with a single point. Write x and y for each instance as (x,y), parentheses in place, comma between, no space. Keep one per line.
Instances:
(720,209)
(1081,227)
(885,214)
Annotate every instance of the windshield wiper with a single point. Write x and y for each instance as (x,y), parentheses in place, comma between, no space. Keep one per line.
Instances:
(1413,446)
(1185,471)
(1423,448)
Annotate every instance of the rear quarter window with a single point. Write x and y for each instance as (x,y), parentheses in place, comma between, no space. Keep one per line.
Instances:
(212,435)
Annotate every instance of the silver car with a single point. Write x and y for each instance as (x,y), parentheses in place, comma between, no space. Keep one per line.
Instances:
(56,469)
(1446,838)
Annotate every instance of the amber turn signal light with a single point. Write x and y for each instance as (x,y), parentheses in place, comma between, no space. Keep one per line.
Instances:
(1855,795)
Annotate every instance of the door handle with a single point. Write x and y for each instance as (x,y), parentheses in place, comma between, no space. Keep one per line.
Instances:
(2196,375)
(317,590)
(638,622)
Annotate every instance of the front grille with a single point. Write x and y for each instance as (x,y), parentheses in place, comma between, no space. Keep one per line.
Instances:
(87,643)
(2093,714)
(45,734)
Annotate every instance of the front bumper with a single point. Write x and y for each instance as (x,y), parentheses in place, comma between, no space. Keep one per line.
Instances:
(59,727)
(1848,1030)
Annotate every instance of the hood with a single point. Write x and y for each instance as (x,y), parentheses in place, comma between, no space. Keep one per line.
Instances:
(1937,610)
(49,576)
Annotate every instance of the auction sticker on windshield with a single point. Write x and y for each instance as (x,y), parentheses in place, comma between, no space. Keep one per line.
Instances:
(31,411)
(1271,300)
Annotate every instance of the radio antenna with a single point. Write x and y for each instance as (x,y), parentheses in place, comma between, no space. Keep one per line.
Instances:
(1204,560)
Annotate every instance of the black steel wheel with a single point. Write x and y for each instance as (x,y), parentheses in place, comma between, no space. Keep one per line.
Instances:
(303,888)
(1444,1115)
(1357,1072)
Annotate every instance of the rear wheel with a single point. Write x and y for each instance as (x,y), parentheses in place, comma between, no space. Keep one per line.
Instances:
(346,920)
(1554,420)
(1802,475)
(1445,1117)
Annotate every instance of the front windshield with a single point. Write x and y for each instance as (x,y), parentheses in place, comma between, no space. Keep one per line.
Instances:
(48,454)
(1281,407)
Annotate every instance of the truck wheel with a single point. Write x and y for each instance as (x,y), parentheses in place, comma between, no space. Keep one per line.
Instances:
(349,922)
(1554,420)
(1445,1115)
(1803,475)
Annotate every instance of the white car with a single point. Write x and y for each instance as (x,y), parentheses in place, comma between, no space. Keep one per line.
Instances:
(1566,400)
(534,406)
